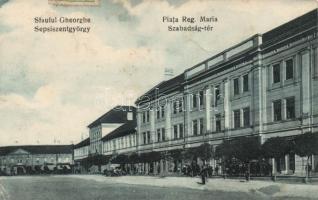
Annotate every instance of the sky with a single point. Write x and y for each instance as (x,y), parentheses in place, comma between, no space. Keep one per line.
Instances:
(53,85)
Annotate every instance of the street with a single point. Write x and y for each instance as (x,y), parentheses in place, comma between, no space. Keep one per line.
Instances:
(78,188)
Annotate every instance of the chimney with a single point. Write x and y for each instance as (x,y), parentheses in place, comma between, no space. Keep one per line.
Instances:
(130,116)
(168,74)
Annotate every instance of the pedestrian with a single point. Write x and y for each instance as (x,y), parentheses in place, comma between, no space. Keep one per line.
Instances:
(210,171)
(203,174)
(247,175)
(217,170)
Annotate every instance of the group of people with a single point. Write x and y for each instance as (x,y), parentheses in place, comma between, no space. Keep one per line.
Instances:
(194,170)
(204,171)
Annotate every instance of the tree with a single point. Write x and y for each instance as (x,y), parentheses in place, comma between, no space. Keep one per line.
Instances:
(306,145)
(247,149)
(242,150)
(176,154)
(120,159)
(224,150)
(205,151)
(133,158)
(276,147)
(150,157)
(190,154)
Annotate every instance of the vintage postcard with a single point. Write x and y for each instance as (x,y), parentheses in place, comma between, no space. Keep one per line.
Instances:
(158,99)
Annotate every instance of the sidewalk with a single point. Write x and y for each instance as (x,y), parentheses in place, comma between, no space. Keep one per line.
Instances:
(264,188)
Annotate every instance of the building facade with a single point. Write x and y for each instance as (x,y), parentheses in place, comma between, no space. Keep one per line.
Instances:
(81,152)
(111,134)
(265,86)
(35,158)
(121,141)
(105,124)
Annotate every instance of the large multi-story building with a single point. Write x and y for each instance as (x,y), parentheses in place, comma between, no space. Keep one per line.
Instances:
(33,158)
(265,86)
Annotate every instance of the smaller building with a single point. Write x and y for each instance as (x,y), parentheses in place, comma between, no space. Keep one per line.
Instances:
(121,142)
(114,130)
(81,151)
(35,159)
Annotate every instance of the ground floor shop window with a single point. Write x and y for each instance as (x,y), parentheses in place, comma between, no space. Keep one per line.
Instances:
(218,123)
(292,162)
(280,164)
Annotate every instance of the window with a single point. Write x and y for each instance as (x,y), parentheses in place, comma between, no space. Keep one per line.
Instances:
(181,130)
(217,95)
(276,73)
(144,137)
(218,123)
(237,118)
(147,115)
(236,86)
(148,137)
(175,131)
(282,164)
(201,126)
(158,135)
(175,107)
(130,140)
(158,113)
(181,106)
(246,117)
(201,95)
(277,108)
(292,161)
(194,127)
(289,69)
(144,117)
(162,111)
(194,101)
(290,108)
(315,58)
(163,134)
(245,83)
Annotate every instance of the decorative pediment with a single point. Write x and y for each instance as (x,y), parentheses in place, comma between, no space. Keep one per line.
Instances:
(19,152)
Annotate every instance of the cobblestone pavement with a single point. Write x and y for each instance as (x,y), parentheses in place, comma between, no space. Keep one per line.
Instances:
(91,187)
(263,188)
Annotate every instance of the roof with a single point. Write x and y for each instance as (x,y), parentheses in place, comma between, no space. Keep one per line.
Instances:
(83,143)
(170,85)
(125,129)
(38,149)
(293,27)
(117,114)
(297,25)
